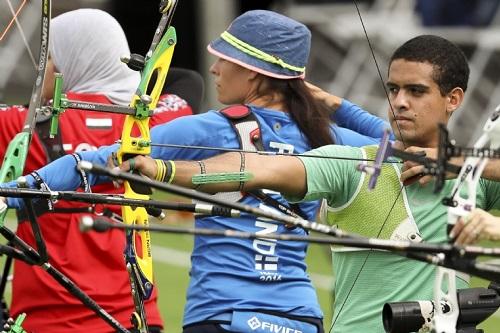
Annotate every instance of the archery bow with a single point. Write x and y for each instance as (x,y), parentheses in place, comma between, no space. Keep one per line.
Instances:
(12,168)
(375,171)
(154,71)
(461,204)
(154,67)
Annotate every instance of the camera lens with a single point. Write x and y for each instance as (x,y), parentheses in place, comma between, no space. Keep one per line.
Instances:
(403,317)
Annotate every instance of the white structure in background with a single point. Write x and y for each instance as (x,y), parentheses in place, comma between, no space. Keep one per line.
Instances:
(215,17)
(340,59)
(342,63)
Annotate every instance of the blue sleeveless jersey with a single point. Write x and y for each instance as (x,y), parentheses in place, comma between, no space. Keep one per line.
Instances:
(228,273)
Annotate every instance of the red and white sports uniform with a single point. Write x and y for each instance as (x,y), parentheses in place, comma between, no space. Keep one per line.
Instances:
(94,261)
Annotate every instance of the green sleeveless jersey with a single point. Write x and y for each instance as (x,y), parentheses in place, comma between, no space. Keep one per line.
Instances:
(391,212)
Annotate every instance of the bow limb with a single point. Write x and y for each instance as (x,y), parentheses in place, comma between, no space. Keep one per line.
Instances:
(156,65)
(17,150)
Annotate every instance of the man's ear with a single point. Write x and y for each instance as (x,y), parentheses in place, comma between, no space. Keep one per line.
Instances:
(454,100)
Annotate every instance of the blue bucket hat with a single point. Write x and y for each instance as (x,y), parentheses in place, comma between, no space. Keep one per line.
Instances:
(266,42)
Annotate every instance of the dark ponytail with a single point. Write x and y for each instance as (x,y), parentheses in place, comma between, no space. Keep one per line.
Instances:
(311,115)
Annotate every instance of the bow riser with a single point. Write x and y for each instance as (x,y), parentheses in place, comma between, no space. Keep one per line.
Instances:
(465,201)
(462,202)
(156,68)
(158,65)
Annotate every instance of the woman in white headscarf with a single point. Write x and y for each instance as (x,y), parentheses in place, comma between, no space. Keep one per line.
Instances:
(85,46)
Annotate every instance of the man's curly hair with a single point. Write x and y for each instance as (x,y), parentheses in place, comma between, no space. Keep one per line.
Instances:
(451,69)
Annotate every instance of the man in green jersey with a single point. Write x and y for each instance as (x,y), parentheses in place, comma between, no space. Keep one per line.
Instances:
(427,79)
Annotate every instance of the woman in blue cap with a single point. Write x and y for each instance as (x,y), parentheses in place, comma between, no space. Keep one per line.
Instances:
(249,285)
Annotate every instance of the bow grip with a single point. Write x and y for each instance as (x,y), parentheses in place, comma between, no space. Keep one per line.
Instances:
(146,99)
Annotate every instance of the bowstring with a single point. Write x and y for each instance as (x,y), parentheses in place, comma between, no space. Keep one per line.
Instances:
(404,146)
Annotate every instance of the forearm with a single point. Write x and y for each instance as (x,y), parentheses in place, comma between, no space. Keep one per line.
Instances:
(284,174)
(62,174)
(270,172)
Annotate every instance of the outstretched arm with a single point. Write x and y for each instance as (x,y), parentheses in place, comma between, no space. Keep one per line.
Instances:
(62,175)
(285,174)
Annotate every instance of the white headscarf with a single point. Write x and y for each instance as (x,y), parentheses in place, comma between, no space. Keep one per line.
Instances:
(86,45)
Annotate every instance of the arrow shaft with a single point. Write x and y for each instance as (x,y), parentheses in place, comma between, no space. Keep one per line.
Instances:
(419,251)
(95,198)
